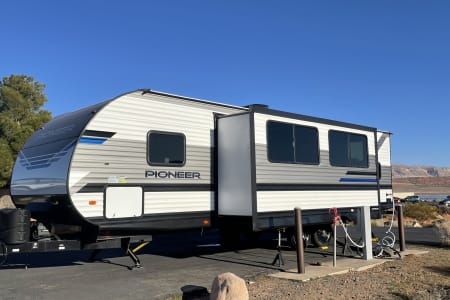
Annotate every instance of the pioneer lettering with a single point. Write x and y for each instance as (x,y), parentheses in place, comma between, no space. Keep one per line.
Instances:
(172,174)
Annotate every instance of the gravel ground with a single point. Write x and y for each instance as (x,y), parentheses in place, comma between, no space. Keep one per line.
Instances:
(424,276)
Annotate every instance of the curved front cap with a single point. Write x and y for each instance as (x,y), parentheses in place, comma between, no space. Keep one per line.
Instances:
(42,165)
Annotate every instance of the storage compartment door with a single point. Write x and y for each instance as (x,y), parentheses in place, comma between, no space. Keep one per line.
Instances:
(123,202)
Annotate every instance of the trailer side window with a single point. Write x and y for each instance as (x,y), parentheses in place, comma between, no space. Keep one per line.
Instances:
(166,148)
(306,145)
(348,149)
(290,143)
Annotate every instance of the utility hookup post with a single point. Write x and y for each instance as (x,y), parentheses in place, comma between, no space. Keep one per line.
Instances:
(401,227)
(336,218)
(299,240)
(334,245)
(366,228)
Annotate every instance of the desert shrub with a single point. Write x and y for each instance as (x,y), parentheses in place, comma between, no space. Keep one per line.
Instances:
(442,210)
(420,211)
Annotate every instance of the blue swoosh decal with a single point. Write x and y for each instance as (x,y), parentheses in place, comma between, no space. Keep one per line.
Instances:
(357,180)
(92,140)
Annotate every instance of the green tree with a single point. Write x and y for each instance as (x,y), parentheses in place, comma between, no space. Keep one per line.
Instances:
(21,99)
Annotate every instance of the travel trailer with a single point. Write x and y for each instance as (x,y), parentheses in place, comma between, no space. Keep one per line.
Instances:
(148,161)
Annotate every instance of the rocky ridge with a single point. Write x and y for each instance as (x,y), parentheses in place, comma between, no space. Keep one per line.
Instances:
(405,171)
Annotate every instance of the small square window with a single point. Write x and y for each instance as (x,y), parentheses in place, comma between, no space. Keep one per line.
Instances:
(166,148)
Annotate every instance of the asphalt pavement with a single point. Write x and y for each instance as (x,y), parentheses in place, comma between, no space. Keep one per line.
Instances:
(172,263)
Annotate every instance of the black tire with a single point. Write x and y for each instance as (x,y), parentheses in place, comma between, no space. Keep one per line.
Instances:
(321,237)
(34,233)
(293,241)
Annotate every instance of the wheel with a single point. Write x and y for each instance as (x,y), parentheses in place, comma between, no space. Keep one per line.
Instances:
(34,233)
(292,239)
(321,237)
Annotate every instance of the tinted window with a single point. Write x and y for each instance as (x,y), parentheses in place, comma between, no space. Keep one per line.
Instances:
(338,148)
(306,145)
(279,142)
(358,151)
(348,149)
(289,143)
(166,149)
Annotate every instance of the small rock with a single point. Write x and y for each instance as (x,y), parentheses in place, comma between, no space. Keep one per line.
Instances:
(417,225)
(228,286)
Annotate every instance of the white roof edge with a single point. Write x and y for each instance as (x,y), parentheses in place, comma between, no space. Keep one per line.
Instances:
(384,131)
(150,91)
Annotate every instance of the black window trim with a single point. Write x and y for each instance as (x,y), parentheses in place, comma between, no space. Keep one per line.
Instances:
(168,164)
(348,166)
(292,162)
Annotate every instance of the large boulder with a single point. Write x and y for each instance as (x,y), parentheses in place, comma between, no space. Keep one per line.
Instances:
(228,286)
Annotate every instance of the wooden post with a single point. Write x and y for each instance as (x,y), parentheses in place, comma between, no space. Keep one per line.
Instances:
(401,227)
(299,240)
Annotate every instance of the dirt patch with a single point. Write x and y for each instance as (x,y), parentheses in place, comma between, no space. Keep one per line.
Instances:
(415,277)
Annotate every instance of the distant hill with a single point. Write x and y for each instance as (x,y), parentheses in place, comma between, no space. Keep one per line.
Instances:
(404,171)
(421,179)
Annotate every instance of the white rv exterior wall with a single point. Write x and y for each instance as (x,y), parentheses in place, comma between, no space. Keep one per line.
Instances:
(154,202)
(384,158)
(178,202)
(385,194)
(322,174)
(81,202)
(384,148)
(269,201)
(124,155)
(261,138)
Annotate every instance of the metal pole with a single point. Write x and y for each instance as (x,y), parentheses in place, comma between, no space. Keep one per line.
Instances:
(299,240)
(334,245)
(401,227)
(366,232)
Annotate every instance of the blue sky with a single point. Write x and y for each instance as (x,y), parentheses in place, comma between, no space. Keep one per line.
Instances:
(384,64)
